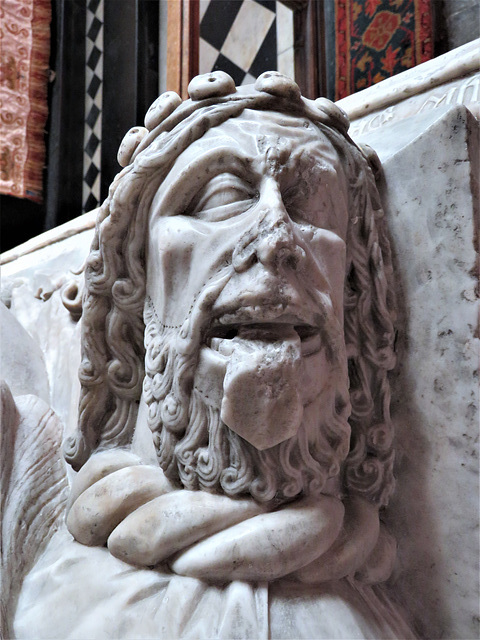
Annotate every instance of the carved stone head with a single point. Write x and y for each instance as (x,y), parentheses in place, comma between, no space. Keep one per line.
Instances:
(240,273)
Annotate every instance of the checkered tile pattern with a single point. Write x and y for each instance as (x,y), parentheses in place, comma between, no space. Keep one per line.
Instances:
(93,105)
(239,37)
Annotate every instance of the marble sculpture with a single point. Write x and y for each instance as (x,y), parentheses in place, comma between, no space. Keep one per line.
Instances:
(239,307)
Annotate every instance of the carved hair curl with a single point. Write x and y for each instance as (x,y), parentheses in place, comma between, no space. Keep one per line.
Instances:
(112,368)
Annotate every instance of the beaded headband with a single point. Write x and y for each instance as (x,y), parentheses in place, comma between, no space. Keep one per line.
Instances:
(272,91)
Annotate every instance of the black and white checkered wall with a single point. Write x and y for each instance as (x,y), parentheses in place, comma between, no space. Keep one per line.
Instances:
(93,105)
(242,37)
(245,38)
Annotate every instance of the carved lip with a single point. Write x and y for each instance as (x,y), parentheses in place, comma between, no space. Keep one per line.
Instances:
(264,324)
(263,313)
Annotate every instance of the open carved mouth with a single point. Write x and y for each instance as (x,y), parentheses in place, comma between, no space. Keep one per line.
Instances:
(221,334)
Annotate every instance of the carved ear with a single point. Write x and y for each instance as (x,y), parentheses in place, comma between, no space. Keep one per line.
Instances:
(372,159)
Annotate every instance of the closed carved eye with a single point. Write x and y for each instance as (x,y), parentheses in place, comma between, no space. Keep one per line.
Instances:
(305,206)
(297,205)
(224,196)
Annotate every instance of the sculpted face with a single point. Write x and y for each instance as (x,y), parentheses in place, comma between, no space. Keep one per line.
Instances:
(245,273)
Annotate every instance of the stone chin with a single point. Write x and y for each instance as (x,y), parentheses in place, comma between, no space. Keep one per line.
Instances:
(268,364)
(259,405)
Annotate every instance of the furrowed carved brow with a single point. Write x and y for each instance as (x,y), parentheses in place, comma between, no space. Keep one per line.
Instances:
(183,190)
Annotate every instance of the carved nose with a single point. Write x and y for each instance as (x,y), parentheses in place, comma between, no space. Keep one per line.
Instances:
(277,245)
(273,242)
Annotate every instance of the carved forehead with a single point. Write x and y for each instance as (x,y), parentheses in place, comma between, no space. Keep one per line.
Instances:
(256,132)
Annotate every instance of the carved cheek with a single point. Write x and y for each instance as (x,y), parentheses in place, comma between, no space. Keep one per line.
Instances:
(185,255)
(169,266)
(328,251)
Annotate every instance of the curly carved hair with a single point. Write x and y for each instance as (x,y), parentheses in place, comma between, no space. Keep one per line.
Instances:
(112,367)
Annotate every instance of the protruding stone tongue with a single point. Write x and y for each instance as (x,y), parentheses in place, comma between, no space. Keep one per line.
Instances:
(261,399)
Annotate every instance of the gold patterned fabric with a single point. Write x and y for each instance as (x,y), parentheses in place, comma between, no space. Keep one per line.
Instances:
(24,51)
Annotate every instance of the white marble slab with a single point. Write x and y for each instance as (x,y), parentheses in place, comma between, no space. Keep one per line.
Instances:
(32,286)
(463,90)
(452,65)
(431,166)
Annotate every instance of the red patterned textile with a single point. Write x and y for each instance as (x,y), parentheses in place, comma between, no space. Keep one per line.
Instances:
(24,56)
(375,39)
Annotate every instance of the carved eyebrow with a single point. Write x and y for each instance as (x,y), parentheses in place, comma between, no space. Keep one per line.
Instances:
(190,180)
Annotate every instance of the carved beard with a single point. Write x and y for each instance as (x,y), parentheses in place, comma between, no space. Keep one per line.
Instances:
(197,450)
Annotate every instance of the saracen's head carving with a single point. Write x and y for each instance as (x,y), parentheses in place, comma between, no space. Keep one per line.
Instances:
(240,277)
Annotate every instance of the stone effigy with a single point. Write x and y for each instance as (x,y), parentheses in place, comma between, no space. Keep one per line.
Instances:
(239,307)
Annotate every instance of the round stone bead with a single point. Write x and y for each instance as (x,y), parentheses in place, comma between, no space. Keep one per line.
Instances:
(276,84)
(211,85)
(333,111)
(129,143)
(163,106)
